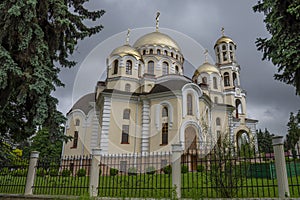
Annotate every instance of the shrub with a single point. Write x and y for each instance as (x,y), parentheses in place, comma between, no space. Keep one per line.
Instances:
(150,170)
(184,169)
(81,172)
(41,172)
(132,171)
(53,172)
(113,171)
(20,172)
(167,169)
(200,168)
(4,171)
(66,172)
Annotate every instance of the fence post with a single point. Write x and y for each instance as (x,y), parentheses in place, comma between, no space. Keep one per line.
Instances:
(94,175)
(176,168)
(34,156)
(280,165)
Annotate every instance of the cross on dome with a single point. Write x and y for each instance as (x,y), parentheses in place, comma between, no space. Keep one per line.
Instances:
(206,55)
(157,20)
(222,30)
(127,37)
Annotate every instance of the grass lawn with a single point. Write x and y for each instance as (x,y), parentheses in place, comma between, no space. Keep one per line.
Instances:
(144,185)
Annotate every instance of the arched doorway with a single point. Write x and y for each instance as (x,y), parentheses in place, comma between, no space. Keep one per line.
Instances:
(243,143)
(190,148)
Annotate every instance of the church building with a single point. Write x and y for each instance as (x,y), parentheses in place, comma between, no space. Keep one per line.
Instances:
(146,103)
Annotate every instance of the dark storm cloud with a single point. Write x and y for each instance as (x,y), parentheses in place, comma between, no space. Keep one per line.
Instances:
(268,100)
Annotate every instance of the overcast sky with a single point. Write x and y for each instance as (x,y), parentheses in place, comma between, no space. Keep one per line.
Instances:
(268,100)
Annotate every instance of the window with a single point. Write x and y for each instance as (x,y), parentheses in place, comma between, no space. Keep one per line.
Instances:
(127,87)
(216,100)
(158,51)
(234,79)
(144,52)
(218,121)
(151,51)
(204,80)
(123,166)
(116,66)
(223,47)
(125,134)
(165,68)
(176,69)
(226,79)
(164,138)
(176,56)
(172,55)
(189,104)
(128,67)
(166,52)
(75,140)
(164,112)
(238,107)
(215,83)
(126,114)
(77,122)
(150,67)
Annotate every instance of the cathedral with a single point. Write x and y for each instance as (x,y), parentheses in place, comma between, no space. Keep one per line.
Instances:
(146,103)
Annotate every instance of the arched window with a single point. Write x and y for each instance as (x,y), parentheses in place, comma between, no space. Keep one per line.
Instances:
(165,68)
(238,107)
(189,99)
(223,47)
(125,134)
(75,140)
(116,66)
(166,52)
(127,87)
(234,77)
(150,67)
(128,67)
(158,51)
(164,138)
(144,52)
(218,121)
(172,55)
(226,79)
(177,56)
(126,114)
(204,80)
(176,69)
(216,100)
(164,112)
(215,83)
(77,122)
(151,51)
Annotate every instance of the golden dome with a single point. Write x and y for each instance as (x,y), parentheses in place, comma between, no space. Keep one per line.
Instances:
(156,38)
(207,68)
(126,50)
(224,39)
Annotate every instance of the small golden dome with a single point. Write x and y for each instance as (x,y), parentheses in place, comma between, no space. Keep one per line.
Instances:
(207,68)
(126,50)
(157,38)
(224,39)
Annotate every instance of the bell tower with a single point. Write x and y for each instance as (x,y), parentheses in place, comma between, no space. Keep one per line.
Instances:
(225,50)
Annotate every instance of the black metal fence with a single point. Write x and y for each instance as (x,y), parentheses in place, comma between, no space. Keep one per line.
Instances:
(135,175)
(227,172)
(13,176)
(68,176)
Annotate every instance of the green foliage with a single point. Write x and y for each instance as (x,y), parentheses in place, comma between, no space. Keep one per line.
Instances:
(20,172)
(53,172)
(66,173)
(132,171)
(184,169)
(81,172)
(150,170)
(264,140)
(167,169)
(200,168)
(113,171)
(4,171)
(282,20)
(36,39)
(41,172)
(293,135)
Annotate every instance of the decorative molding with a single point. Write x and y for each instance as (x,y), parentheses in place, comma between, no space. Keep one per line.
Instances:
(105,124)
